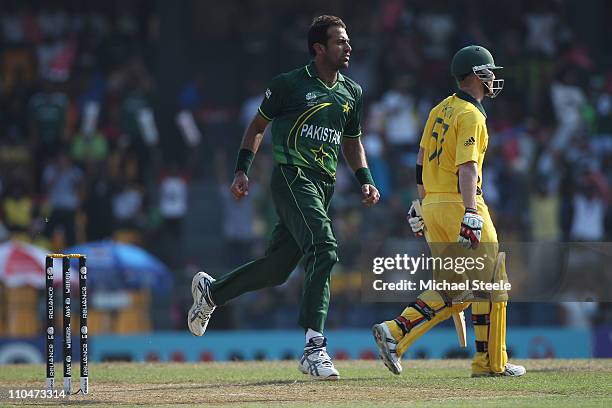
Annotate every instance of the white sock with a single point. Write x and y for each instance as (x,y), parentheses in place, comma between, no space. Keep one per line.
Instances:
(311,333)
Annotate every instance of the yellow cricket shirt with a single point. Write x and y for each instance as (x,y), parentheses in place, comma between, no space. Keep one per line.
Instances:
(455,133)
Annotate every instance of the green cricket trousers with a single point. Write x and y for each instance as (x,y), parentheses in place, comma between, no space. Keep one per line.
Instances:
(301,197)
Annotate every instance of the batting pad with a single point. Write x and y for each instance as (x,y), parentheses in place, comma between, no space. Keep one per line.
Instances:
(489,321)
(420,324)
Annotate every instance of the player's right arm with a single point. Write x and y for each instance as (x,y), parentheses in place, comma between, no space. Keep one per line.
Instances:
(248,147)
(253,134)
(271,106)
(419,170)
(415,218)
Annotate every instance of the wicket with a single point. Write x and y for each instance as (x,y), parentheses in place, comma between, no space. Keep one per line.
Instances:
(67,333)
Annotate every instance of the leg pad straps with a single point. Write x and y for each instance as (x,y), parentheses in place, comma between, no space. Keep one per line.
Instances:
(423,308)
(482,346)
(481,319)
(426,311)
(404,324)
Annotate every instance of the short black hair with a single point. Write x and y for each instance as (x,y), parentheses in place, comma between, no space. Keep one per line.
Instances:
(317,33)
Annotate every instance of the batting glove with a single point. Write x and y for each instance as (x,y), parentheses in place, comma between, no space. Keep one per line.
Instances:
(471,229)
(416,221)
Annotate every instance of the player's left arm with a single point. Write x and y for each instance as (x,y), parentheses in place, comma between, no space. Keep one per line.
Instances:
(355,156)
(470,129)
(354,152)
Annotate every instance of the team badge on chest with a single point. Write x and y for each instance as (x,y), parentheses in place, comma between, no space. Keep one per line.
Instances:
(311,99)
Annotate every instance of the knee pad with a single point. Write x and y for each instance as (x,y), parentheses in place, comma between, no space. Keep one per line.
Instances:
(425,308)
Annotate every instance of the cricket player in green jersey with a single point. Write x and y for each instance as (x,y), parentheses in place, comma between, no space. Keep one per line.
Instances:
(315,112)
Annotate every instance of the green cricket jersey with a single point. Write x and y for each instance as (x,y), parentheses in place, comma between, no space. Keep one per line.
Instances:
(309,118)
(48,114)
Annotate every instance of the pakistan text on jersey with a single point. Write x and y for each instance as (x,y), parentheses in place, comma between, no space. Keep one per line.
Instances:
(321,133)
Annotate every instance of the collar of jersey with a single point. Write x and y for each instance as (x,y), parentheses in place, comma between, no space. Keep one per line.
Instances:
(311,71)
(469,98)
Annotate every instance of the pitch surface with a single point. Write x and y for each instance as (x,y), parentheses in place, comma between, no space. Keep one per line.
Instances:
(439,383)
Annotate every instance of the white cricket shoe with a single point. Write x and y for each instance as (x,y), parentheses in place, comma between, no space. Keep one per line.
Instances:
(316,362)
(387,347)
(512,370)
(203,305)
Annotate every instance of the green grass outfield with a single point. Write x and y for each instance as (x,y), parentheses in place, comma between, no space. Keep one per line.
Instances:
(439,383)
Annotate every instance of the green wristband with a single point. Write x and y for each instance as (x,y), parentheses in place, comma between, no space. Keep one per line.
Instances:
(364,176)
(244,160)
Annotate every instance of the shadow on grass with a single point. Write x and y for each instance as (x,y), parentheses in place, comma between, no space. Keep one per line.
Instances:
(193,386)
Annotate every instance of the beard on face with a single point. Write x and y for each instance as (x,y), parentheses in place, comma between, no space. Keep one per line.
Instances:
(337,63)
(343,64)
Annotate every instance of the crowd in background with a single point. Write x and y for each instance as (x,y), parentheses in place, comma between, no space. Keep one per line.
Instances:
(80,132)
(77,154)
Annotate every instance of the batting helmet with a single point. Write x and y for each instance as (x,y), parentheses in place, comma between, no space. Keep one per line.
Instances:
(478,60)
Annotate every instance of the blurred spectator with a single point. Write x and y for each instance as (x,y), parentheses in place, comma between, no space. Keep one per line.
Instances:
(89,148)
(63,181)
(398,107)
(128,207)
(18,208)
(191,95)
(90,86)
(578,315)
(568,100)
(98,204)
(589,212)
(542,29)
(438,27)
(173,190)
(544,215)
(136,118)
(14,104)
(48,110)
(603,107)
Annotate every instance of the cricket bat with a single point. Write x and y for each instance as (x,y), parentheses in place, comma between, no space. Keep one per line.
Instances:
(459,320)
(501,259)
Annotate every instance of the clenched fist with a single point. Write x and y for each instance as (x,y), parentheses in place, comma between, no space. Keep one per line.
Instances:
(240,185)
(370,195)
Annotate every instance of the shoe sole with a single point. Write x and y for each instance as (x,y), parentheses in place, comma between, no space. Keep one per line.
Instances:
(383,349)
(319,378)
(487,375)
(329,378)
(194,294)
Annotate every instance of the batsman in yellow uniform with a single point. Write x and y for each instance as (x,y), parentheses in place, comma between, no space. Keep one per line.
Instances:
(449,180)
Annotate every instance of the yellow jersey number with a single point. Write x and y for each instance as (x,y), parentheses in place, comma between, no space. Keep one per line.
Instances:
(439,140)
